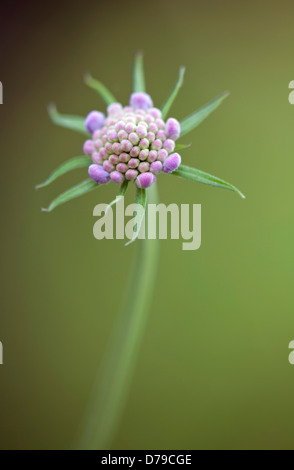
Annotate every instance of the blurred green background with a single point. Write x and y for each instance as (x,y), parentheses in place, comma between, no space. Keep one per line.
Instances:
(213,370)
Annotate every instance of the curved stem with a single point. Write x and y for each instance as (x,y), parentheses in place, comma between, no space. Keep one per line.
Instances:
(111,389)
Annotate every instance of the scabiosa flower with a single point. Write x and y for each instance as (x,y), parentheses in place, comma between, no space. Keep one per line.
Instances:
(135,142)
(124,140)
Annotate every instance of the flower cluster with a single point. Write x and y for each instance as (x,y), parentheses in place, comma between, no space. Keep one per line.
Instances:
(131,143)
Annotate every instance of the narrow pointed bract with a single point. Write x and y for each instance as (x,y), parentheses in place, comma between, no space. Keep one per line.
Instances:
(192,121)
(168,104)
(75,123)
(72,193)
(103,91)
(72,164)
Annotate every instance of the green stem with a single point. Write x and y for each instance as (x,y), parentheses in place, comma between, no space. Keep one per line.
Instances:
(111,389)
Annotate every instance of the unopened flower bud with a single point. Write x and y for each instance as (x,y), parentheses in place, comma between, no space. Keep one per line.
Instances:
(169,145)
(172,163)
(116,177)
(134,138)
(156,145)
(141,131)
(143,154)
(124,157)
(173,129)
(141,100)
(126,145)
(88,147)
(98,174)
(130,127)
(96,158)
(114,108)
(94,121)
(144,180)
(135,151)
(144,143)
(156,167)
(122,167)
(131,174)
(133,163)
(152,156)
(108,166)
(144,166)
(113,159)
(162,155)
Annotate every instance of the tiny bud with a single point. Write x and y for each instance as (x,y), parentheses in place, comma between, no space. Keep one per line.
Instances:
(162,155)
(108,147)
(135,151)
(161,135)
(116,177)
(130,127)
(88,147)
(98,174)
(149,119)
(156,167)
(153,128)
(169,145)
(96,134)
(133,137)
(113,159)
(144,180)
(156,113)
(122,167)
(126,145)
(108,166)
(160,124)
(122,135)
(133,163)
(119,126)
(172,163)
(114,108)
(104,139)
(131,174)
(112,136)
(103,152)
(152,156)
(151,137)
(144,143)
(143,154)
(144,166)
(156,145)
(124,157)
(141,131)
(141,100)
(96,157)
(98,144)
(116,148)
(94,121)
(173,129)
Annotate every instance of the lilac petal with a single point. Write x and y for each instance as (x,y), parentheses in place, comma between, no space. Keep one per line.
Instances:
(172,163)
(173,129)
(141,100)
(144,180)
(98,174)
(94,121)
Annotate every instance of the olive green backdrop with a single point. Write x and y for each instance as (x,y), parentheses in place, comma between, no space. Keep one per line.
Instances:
(213,370)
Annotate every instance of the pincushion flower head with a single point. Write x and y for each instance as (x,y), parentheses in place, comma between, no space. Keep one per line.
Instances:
(133,143)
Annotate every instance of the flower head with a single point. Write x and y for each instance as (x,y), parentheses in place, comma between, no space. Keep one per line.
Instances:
(132,143)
